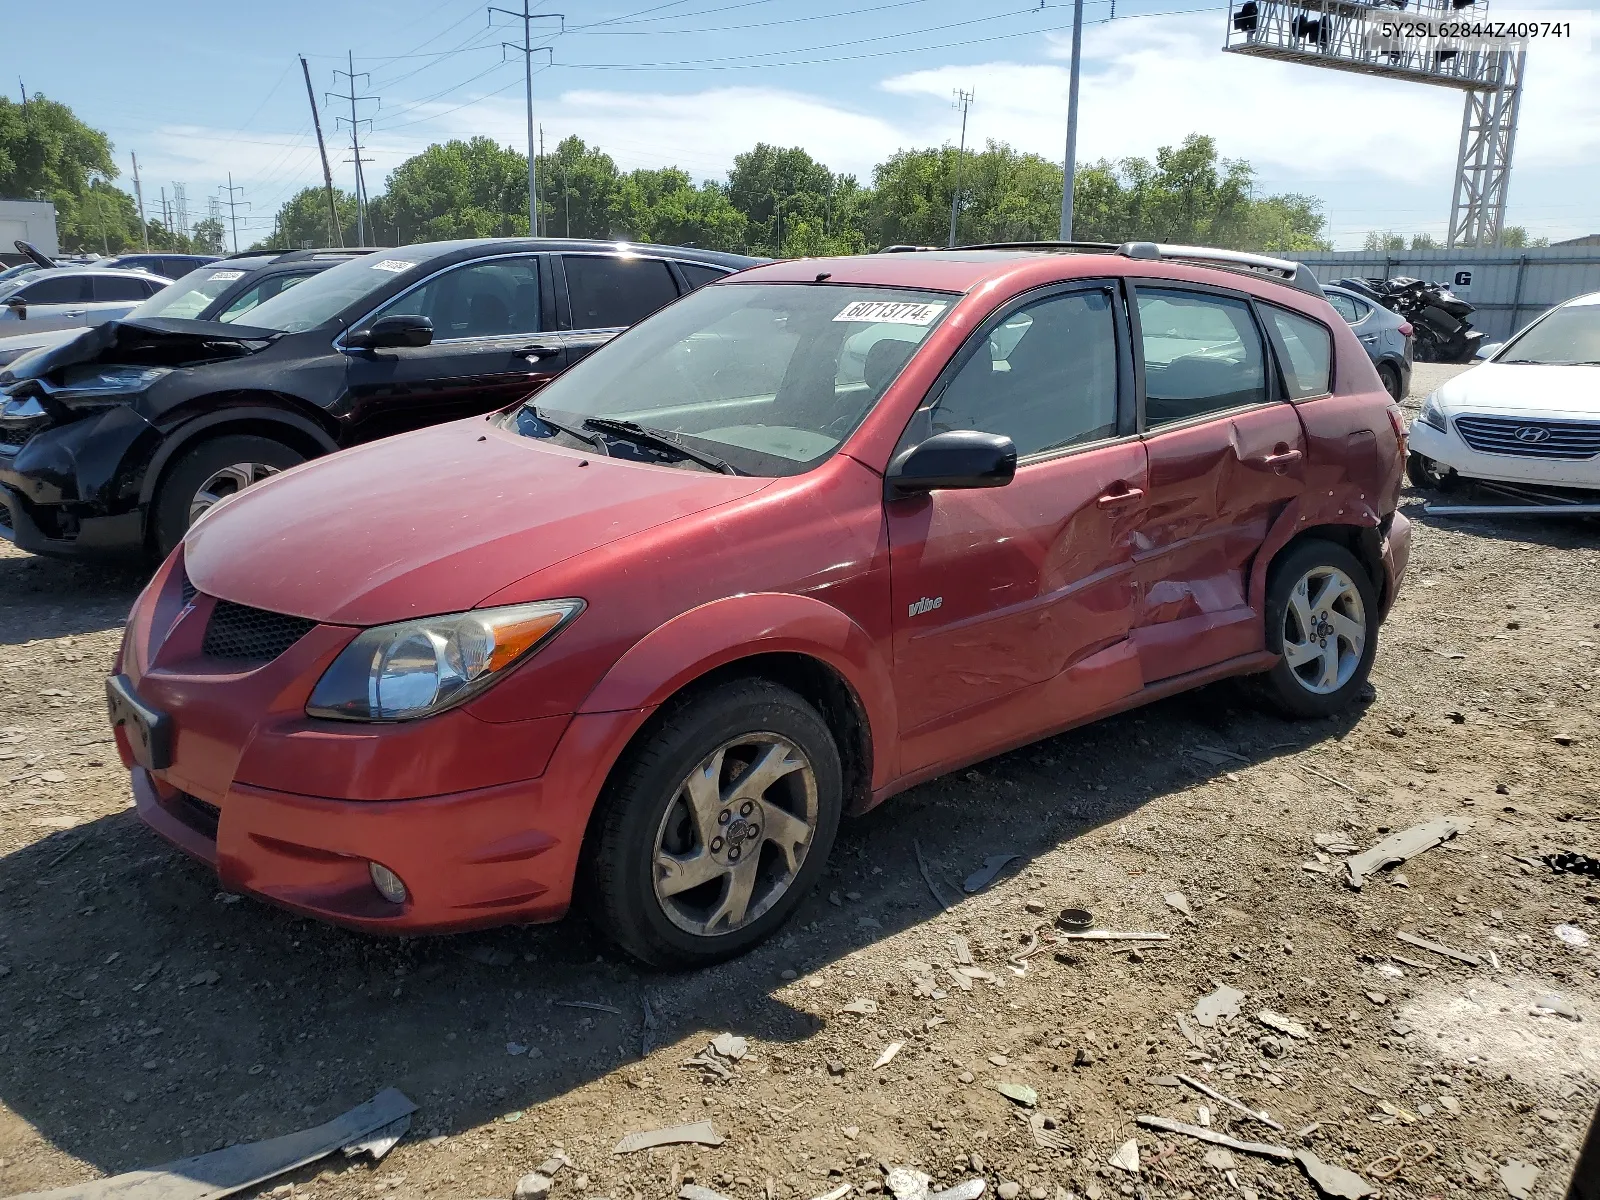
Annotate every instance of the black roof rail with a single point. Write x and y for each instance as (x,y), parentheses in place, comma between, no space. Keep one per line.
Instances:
(901,248)
(295,253)
(1102,246)
(1283,270)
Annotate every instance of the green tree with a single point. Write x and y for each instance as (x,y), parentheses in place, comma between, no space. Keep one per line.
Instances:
(458,189)
(1383,239)
(577,190)
(46,153)
(769,182)
(206,237)
(1424,241)
(665,206)
(1006,196)
(302,221)
(1515,237)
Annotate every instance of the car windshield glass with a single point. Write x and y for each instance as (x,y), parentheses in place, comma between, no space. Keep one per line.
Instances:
(1569,335)
(769,377)
(321,298)
(8,286)
(191,294)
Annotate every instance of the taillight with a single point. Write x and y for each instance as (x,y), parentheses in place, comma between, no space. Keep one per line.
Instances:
(1397,422)
(1405,328)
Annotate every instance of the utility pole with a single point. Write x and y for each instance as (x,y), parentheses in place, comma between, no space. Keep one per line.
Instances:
(777,233)
(144,230)
(1070,163)
(233,205)
(527,50)
(166,216)
(541,159)
(24,88)
(335,234)
(355,142)
(963,101)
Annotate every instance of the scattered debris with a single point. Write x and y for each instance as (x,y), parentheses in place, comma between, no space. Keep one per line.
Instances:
(1518,1178)
(907,1183)
(1265,1149)
(1335,843)
(1189,1035)
(986,874)
(536,1184)
(1552,1005)
(1127,1157)
(1224,1002)
(1569,862)
(1074,918)
(1422,943)
(1021,1093)
(888,1054)
(380,1141)
(1571,935)
(224,1172)
(1333,1180)
(693,1191)
(1214,756)
(592,1005)
(961,951)
(1398,847)
(1047,1132)
(967,1189)
(862,1007)
(1207,1090)
(730,1045)
(1178,901)
(838,1193)
(1328,779)
(927,877)
(1222,1160)
(1391,1165)
(700,1133)
(1114,935)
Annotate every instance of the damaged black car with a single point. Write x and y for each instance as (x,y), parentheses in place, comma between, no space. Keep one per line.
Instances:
(114,443)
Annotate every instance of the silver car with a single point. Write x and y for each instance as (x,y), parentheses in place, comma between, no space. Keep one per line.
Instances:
(1384,335)
(65,297)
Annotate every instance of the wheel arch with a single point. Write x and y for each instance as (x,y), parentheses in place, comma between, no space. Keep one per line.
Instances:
(259,414)
(1364,541)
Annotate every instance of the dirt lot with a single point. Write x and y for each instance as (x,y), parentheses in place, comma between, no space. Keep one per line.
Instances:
(145,1016)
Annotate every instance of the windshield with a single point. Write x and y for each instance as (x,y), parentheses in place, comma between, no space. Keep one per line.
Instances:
(1570,334)
(8,286)
(769,377)
(322,297)
(190,295)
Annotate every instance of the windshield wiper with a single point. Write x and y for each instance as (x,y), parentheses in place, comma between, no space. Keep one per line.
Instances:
(659,439)
(583,435)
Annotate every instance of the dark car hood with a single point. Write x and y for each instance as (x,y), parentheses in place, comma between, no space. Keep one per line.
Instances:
(430,522)
(146,341)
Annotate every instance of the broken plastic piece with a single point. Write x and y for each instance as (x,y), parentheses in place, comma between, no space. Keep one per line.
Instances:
(1421,943)
(1283,1024)
(1265,1149)
(699,1133)
(1127,1157)
(967,1189)
(888,1054)
(985,875)
(380,1141)
(1398,847)
(1224,1002)
(1021,1093)
(1207,1090)
(1333,1180)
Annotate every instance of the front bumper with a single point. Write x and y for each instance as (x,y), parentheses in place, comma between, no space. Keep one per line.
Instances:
(1451,453)
(482,819)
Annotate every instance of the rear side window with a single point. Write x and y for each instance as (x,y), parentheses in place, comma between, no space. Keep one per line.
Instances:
(1046,379)
(1305,349)
(610,292)
(111,287)
(699,275)
(1202,354)
(63,289)
(1345,306)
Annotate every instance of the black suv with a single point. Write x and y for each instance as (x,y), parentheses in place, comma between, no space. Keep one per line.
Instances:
(115,442)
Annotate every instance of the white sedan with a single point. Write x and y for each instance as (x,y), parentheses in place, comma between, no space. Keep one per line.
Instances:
(1530,414)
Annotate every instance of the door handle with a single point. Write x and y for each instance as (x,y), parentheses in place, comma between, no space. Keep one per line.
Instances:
(1117,499)
(535,353)
(1280,460)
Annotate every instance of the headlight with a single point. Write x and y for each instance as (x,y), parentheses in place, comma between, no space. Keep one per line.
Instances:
(103,383)
(1432,413)
(12,406)
(417,668)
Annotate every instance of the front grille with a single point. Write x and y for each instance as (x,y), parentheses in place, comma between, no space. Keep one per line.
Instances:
(1530,439)
(251,634)
(16,433)
(186,587)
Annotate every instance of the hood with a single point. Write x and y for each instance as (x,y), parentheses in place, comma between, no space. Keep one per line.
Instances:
(14,347)
(1524,388)
(146,341)
(430,522)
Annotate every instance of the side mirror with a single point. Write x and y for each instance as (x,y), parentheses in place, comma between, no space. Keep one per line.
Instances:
(1488,349)
(387,333)
(19,307)
(961,458)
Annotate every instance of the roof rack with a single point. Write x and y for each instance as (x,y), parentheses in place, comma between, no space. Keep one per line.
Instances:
(1296,275)
(1102,246)
(295,253)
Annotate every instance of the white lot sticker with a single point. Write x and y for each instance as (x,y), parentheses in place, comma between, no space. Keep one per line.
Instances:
(393,264)
(226,275)
(890,312)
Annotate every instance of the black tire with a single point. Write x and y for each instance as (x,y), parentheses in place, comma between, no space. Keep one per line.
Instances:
(169,514)
(1423,472)
(1282,688)
(1390,374)
(617,871)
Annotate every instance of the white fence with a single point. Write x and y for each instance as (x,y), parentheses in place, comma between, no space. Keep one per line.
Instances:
(1508,287)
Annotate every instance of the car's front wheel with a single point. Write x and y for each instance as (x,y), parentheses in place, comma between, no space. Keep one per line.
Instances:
(211,472)
(1322,619)
(714,828)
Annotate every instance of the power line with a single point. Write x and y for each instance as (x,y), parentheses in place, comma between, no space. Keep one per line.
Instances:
(233,209)
(528,17)
(355,139)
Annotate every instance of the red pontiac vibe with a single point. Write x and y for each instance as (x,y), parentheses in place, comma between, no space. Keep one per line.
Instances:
(797,542)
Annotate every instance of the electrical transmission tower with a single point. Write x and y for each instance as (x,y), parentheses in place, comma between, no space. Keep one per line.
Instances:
(233,209)
(355,140)
(527,49)
(180,210)
(963,101)
(1345,35)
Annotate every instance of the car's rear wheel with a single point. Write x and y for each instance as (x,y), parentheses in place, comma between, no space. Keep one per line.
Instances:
(714,828)
(1322,619)
(209,473)
(1390,374)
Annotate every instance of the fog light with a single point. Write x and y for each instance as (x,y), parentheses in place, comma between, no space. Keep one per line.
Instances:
(389,884)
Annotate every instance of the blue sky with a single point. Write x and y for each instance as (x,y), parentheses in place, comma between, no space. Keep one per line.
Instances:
(207,89)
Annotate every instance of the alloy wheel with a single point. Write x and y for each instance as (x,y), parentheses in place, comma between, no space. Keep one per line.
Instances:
(1324,630)
(226,482)
(734,836)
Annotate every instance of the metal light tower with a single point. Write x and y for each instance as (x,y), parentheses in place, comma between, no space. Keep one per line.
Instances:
(1346,36)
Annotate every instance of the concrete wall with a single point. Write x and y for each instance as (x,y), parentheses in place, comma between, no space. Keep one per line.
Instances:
(1509,288)
(32,221)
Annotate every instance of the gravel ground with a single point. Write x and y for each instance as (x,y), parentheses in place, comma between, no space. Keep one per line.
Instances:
(145,1016)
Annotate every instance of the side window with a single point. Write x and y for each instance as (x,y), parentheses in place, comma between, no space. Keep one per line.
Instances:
(250,297)
(113,287)
(698,274)
(1344,306)
(1047,377)
(63,289)
(610,292)
(1202,354)
(484,299)
(1305,349)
